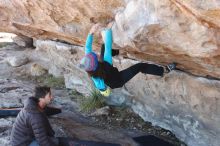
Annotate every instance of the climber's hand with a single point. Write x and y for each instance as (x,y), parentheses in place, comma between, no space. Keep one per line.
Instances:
(95,28)
(109,26)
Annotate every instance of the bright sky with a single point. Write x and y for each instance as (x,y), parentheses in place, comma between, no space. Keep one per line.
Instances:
(6,37)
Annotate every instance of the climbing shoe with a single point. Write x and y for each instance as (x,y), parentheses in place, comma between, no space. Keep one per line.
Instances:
(171,67)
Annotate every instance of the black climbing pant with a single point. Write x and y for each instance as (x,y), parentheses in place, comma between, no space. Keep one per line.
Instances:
(145,68)
(116,79)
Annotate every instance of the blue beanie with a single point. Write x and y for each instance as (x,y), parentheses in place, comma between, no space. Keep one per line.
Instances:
(90,61)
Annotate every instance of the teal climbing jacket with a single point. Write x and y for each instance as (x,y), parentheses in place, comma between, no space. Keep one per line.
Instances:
(99,82)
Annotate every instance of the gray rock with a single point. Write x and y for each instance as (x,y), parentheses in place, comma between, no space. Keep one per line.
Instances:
(181,103)
(6,122)
(56,71)
(101,112)
(5,130)
(37,70)
(16,61)
(23,41)
(184,104)
(9,103)
(71,81)
(75,82)
(119,97)
(13,93)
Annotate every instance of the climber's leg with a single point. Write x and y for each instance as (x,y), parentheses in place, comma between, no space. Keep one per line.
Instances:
(130,72)
(151,69)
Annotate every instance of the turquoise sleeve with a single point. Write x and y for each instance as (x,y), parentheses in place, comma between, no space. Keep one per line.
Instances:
(88,47)
(108,46)
(99,83)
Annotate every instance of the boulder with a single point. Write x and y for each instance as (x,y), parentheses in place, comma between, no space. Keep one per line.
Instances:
(183,103)
(17,61)
(186,32)
(23,41)
(37,70)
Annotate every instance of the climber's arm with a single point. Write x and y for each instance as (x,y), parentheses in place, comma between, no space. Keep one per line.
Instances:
(108,46)
(88,46)
(89,40)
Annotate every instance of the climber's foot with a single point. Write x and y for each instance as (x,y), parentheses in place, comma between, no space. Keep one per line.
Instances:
(170,67)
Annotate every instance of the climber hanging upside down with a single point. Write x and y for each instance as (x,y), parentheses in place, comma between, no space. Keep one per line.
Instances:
(102,72)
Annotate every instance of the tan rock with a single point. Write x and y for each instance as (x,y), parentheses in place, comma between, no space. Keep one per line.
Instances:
(186,32)
(37,70)
(17,61)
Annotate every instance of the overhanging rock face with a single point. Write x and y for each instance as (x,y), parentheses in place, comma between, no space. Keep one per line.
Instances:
(67,20)
(186,32)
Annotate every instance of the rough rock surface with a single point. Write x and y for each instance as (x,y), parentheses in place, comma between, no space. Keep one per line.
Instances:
(16,61)
(67,124)
(186,105)
(23,41)
(187,32)
(14,92)
(70,123)
(37,70)
(181,103)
